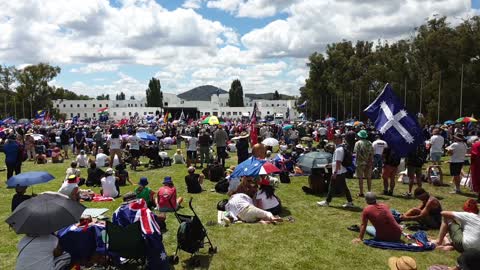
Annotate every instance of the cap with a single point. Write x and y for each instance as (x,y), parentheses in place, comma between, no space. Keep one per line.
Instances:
(109,171)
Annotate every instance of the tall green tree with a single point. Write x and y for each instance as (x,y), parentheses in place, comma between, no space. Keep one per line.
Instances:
(154,93)
(7,81)
(276,95)
(33,87)
(235,94)
(120,96)
(103,97)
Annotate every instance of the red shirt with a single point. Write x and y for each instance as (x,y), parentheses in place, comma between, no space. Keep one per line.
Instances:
(164,193)
(382,219)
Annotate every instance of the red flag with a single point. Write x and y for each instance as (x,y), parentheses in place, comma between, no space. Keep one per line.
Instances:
(331,131)
(253,126)
(122,122)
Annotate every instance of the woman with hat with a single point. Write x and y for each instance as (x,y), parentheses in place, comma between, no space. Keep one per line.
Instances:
(242,147)
(167,196)
(144,192)
(457,151)
(109,186)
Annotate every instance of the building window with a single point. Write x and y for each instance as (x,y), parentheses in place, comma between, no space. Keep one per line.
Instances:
(116,105)
(85,105)
(93,105)
(144,113)
(234,113)
(165,104)
(100,105)
(78,105)
(64,105)
(268,113)
(94,115)
(78,114)
(71,105)
(58,106)
(223,113)
(114,113)
(71,115)
(141,105)
(85,114)
(135,105)
(106,105)
(123,113)
(129,113)
(278,105)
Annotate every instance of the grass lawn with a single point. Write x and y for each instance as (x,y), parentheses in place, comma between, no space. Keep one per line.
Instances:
(318,239)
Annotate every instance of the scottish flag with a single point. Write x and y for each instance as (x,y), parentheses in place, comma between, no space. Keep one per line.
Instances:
(398,128)
(303,105)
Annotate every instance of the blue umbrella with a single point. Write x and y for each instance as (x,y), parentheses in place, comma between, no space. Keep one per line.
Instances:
(287,127)
(28,179)
(147,136)
(449,122)
(254,167)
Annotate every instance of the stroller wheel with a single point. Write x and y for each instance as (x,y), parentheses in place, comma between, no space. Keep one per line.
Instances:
(212,250)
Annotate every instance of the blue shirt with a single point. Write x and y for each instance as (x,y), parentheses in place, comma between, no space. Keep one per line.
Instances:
(11,152)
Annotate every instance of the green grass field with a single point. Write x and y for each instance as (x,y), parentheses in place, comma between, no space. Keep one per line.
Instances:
(318,239)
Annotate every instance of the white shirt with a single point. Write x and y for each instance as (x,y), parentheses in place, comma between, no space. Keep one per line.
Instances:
(237,203)
(108,186)
(322,131)
(178,159)
(134,142)
(72,171)
(115,143)
(471,229)
(459,150)
(338,155)
(379,146)
(38,254)
(82,160)
(158,133)
(192,144)
(266,202)
(100,160)
(436,144)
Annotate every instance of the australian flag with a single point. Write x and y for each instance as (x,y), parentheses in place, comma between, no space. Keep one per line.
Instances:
(40,114)
(398,128)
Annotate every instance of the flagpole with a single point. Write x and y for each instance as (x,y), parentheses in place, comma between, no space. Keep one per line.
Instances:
(421,94)
(15,106)
(439,97)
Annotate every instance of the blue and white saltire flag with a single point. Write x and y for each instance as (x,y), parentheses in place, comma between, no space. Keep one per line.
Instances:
(398,128)
(9,120)
(303,105)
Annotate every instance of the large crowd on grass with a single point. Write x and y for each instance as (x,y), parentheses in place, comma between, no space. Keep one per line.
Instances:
(110,151)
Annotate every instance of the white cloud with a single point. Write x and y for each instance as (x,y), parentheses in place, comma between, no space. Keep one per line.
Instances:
(250,8)
(96,67)
(193,4)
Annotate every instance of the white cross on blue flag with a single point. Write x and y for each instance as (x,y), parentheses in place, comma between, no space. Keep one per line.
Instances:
(398,128)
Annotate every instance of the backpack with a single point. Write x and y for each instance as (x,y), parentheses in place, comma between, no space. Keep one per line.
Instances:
(347,157)
(284,178)
(222,186)
(216,173)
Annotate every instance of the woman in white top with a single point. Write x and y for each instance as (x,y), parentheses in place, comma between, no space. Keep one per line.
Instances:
(266,198)
(457,152)
(109,185)
(115,144)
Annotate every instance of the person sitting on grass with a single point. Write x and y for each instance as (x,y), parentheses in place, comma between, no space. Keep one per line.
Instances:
(428,213)
(463,228)
(57,156)
(194,181)
(266,199)
(145,193)
(135,210)
(19,196)
(241,207)
(178,157)
(94,175)
(109,185)
(122,174)
(167,196)
(82,159)
(384,228)
(70,188)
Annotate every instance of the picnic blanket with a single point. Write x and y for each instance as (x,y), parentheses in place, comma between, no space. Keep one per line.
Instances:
(420,238)
(100,198)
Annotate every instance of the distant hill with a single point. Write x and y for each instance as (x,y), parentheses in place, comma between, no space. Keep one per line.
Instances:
(202,93)
(268,96)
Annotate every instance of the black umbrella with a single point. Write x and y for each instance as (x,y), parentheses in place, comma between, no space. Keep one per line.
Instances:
(45,213)
(314,160)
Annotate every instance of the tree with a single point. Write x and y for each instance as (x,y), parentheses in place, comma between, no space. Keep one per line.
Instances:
(235,94)
(61,93)
(132,97)
(154,93)
(120,96)
(276,95)
(7,81)
(33,86)
(103,97)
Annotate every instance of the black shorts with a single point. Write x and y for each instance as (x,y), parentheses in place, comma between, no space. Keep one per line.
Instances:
(456,168)
(135,153)
(192,155)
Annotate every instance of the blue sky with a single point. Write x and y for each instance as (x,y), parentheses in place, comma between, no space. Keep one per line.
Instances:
(107,47)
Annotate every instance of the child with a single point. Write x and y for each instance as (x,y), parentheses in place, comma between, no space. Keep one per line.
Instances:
(19,196)
(266,198)
(82,159)
(122,175)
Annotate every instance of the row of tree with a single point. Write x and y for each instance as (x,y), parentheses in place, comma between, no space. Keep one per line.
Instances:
(434,72)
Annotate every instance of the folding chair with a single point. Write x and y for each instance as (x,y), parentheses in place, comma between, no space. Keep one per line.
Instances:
(126,242)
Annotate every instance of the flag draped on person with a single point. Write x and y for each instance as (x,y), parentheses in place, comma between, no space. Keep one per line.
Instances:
(253,125)
(398,128)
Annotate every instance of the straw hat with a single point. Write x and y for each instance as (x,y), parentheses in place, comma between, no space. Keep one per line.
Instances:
(402,263)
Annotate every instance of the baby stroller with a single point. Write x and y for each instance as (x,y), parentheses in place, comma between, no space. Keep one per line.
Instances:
(191,235)
(155,160)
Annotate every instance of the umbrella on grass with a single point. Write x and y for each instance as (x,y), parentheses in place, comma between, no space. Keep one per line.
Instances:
(29,179)
(45,214)
(254,167)
(314,160)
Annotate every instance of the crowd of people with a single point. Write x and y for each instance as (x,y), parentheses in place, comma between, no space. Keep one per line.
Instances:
(108,151)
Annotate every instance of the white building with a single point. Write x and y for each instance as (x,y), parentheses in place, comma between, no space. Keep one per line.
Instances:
(119,109)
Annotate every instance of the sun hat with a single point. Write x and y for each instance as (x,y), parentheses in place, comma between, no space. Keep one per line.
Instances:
(167,180)
(72,179)
(109,171)
(459,137)
(143,181)
(362,134)
(191,169)
(370,197)
(243,135)
(402,263)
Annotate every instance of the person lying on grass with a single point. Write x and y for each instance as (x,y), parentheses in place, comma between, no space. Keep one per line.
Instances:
(241,207)
(428,213)
(384,228)
(463,228)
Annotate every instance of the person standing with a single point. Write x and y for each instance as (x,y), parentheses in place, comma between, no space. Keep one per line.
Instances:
(242,147)
(204,144)
(220,138)
(338,175)
(415,161)
(379,146)
(457,152)
(79,140)
(475,167)
(192,151)
(390,165)
(65,142)
(364,160)
(436,146)
(134,141)
(11,150)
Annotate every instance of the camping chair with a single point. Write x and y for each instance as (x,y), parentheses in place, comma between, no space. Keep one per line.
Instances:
(126,242)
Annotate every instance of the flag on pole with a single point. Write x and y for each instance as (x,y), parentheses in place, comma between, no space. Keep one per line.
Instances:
(40,114)
(253,125)
(182,116)
(398,128)
(165,117)
(303,105)
(102,110)
(287,115)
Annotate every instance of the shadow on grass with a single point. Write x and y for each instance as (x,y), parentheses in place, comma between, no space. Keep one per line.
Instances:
(469,195)
(200,261)
(350,209)
(285,212)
